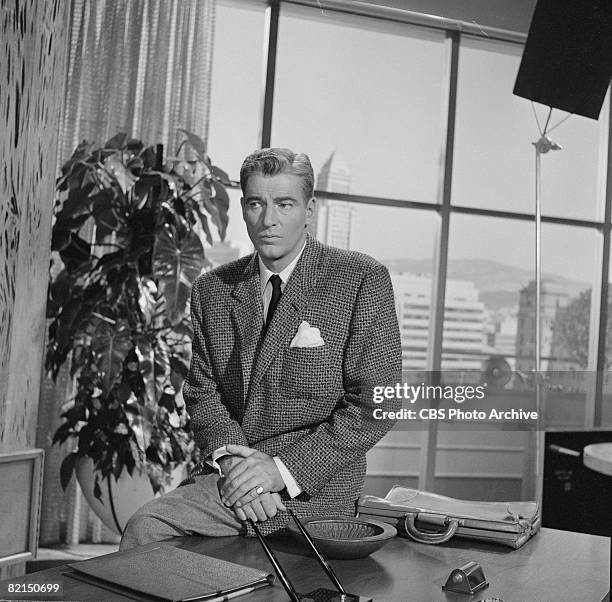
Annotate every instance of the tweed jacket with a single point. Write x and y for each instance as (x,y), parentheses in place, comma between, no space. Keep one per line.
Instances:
(310,406)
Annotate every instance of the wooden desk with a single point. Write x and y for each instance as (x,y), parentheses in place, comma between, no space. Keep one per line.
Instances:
(598,457)
(555,566)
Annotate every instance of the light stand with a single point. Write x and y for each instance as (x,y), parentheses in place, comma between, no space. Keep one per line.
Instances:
(542,146)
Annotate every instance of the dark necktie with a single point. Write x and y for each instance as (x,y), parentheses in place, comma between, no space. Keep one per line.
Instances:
(276,293)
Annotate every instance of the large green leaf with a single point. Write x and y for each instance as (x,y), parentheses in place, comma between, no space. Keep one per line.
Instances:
(151,302)
(76,253)
(142,427)
(212,197)
(58,293)
(80,155)
(111,342)
(161,369)
(67,468)
(177,262)
(108,208)
(221,200)
(203,225)
(221,175)
(197,144)
(117,141)
(74,206)
(146,358)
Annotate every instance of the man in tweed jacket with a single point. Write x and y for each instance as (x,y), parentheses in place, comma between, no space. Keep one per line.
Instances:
(281,401)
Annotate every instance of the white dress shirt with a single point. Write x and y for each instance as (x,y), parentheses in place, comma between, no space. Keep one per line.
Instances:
(266,285)
(293,489)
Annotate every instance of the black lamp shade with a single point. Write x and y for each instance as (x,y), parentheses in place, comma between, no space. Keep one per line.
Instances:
(567,62)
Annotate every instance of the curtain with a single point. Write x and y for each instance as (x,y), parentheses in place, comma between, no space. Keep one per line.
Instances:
(141,67)
(32,67)
(138,66)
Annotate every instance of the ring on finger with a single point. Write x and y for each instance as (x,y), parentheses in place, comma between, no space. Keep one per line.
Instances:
(259,490)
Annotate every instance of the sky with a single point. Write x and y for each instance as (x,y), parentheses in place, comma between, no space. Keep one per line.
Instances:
(373,91)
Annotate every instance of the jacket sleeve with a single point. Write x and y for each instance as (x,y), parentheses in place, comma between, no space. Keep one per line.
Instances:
(212,424)
(372,357)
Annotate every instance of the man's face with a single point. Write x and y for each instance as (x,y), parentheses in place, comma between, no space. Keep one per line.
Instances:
(276,213)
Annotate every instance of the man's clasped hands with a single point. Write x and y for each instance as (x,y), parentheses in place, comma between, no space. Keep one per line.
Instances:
(245,470)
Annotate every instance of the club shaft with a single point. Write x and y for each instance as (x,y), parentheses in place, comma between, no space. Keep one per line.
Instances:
(277,567)
(322,561)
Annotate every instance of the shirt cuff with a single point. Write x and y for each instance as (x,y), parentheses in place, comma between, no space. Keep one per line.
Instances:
(293,489)
(212,460)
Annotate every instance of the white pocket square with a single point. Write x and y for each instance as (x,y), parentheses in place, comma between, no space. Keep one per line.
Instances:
(307,336)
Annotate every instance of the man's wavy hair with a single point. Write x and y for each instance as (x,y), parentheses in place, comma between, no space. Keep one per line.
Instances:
(273,161)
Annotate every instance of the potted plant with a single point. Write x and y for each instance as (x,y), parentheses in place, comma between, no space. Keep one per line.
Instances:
(127,243)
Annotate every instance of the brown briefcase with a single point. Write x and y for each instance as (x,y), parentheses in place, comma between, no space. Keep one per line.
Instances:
(432,518)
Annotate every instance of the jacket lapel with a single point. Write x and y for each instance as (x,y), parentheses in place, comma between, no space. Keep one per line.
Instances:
(247,315)
(287,316)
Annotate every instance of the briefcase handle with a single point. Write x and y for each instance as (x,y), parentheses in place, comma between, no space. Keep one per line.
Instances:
(432,538)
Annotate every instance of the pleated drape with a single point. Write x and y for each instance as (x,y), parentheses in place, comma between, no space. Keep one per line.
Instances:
(138,66)
(141,67)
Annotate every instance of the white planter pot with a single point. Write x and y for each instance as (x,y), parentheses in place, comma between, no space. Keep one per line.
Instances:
(120,498)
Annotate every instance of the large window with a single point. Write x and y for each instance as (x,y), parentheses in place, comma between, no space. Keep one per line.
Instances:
(489,319)
(494,155)
(236,82)
(366,90)
(407,249)
(424,158)
(490,261)
(235,108)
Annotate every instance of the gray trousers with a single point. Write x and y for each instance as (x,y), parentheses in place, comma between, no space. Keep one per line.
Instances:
(193,509)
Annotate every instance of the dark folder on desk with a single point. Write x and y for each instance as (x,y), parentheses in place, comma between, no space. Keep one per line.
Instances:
(164,572)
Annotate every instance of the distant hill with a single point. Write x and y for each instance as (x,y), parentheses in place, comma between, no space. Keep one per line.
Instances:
(499,284)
